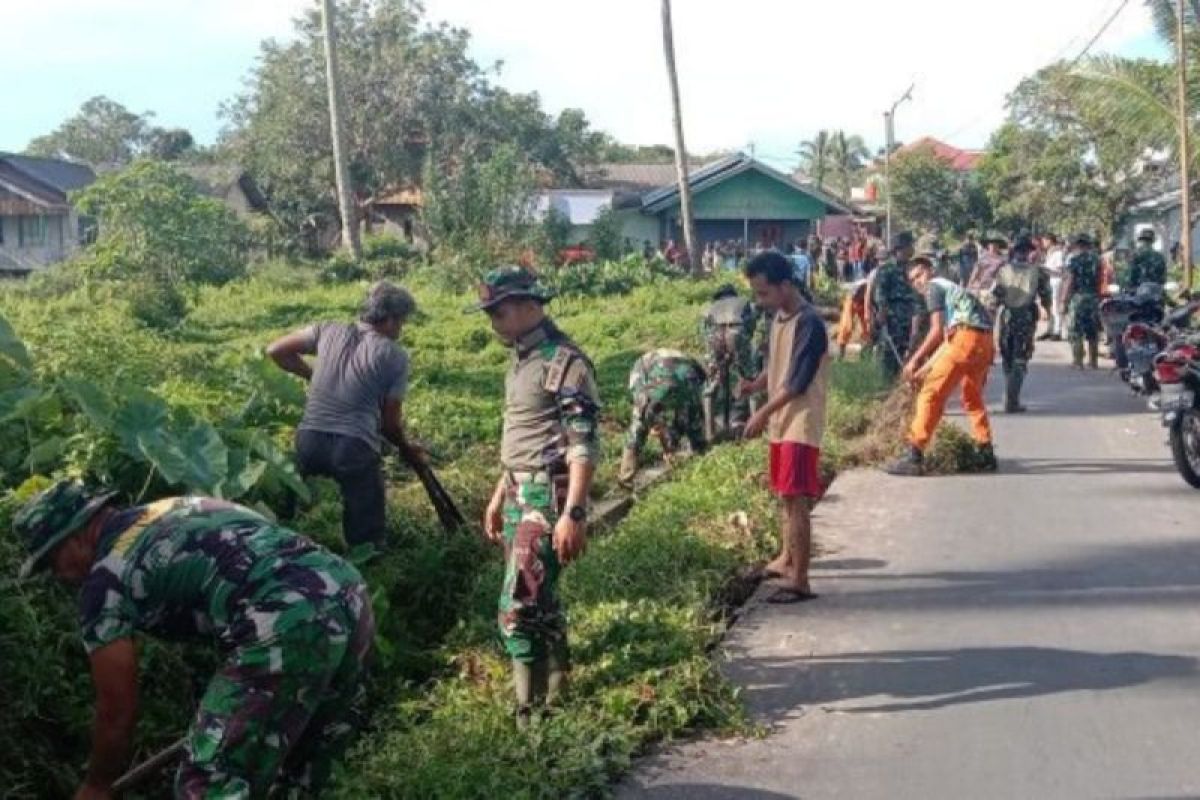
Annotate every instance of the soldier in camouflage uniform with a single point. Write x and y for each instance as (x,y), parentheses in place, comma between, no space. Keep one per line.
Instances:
(292,619)
(1019,286)
(1148,265)
(728,330)
(1081,292)
(548,452)
(893,305)
(665,386)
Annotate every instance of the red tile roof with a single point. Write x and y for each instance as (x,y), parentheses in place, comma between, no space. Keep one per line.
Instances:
(958,159)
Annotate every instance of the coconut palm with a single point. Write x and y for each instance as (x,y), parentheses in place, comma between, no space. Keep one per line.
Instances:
(815,157)
(847,155)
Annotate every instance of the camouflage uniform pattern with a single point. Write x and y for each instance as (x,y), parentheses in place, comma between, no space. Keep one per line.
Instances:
(292,619)
(728,330)
(1147,266)
(533,624)
(895,303)
(666,387)
(1084,303)
(1019,288)
(551,420)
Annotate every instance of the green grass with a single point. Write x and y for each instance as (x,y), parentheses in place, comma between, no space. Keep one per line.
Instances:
(644,601)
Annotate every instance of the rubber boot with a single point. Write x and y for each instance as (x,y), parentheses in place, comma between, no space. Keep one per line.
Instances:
(523,684)
(909,465)
(1093,353)
(628,469)
(985,458)
(1014,380)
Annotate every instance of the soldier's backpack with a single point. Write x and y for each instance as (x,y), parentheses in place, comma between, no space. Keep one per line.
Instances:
(1017,287)
(725,323)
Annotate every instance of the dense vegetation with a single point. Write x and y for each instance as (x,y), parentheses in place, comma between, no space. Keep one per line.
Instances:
(85,389)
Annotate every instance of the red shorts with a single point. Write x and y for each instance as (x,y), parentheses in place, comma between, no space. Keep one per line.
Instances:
(794,470)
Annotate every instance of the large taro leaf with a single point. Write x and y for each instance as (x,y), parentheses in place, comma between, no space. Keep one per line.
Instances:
(12,349)
(46,454)
(280,468)
(142,414)
(242,475)
(194,457)
(20,403)
(95,405)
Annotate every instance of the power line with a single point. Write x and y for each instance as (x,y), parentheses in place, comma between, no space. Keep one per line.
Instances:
(1100,32)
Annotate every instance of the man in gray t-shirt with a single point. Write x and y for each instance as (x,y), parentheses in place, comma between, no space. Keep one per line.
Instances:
(355,399)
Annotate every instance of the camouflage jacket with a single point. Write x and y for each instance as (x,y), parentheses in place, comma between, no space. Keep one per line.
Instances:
(1147,266)
(1084,272)
(728,329)
(194,567)
(893,298)
(663,380)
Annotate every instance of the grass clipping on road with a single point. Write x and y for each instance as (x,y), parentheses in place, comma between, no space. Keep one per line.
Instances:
(952,451)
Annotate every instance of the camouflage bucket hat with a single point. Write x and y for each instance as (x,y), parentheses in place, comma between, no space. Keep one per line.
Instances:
(1147,235)
(504,283)
(51,517)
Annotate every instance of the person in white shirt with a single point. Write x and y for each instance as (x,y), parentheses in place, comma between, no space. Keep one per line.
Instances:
(1054,266)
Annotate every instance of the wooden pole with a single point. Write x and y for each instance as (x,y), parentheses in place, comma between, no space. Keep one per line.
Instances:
(681,167)
(337,134)
(1185,222)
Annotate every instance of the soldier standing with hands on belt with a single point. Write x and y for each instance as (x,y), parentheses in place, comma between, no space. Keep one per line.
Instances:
(548,453)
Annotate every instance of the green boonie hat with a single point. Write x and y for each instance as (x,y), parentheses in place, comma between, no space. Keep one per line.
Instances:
(504,283)
(51,517)
(995,236)
(1147,235)
(1082,238)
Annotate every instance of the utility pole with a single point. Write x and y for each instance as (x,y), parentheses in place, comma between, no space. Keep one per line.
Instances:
(681,168)
(1185,167)
(889,134)
(341,171)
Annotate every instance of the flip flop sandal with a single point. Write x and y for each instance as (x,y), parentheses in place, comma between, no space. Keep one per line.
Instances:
(788,596)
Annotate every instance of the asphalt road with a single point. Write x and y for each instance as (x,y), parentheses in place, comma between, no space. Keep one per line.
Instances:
(1032,634)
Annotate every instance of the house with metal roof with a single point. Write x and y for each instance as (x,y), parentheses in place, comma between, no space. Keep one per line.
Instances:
(737,197)
(38,226)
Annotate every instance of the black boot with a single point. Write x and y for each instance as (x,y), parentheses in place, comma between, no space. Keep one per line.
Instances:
(1014,379)
(911,464)
(985,458)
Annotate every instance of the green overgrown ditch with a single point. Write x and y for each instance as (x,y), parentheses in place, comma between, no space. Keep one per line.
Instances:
(85,390)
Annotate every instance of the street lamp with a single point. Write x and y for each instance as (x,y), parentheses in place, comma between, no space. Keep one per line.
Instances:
(889,135)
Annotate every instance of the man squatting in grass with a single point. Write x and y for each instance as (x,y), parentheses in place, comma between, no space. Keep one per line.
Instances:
(796,379)
(548,453)
(959,349)
(355,399)
(292,620)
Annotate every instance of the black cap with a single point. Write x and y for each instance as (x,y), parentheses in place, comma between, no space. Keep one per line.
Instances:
(1082,239)
(1147,235)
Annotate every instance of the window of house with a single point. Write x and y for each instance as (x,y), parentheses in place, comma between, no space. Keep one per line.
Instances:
(32,231)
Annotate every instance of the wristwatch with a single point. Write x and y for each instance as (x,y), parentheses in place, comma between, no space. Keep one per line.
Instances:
(577,513)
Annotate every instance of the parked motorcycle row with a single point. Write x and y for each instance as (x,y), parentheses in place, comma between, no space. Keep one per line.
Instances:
(1157,351)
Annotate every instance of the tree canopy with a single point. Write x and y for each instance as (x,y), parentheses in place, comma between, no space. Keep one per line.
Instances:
(105,133)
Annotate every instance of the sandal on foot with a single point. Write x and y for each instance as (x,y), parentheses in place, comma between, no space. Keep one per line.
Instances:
(785,596)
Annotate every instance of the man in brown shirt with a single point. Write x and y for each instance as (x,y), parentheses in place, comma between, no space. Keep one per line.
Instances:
(548,452)
(796,380)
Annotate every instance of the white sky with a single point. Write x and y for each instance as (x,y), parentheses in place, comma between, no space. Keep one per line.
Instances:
(770,72)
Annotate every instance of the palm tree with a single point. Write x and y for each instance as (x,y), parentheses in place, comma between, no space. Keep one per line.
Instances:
(814,158)
(848,155)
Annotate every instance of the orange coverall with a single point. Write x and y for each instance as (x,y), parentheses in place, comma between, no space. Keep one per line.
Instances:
(967,358)
(854,309)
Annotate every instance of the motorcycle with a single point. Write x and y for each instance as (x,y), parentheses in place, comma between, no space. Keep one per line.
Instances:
(1119,313)
(1177,371)
(1141,345)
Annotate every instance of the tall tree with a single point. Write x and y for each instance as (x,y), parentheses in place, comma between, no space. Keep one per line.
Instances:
(341,173)
(815,158)
(103,132)
(848,156)
(681,169)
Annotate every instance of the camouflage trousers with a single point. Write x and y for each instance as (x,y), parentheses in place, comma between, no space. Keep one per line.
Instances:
(281,711)
(727,411)
(889,363)
(676,421)
(1084,310)
(532,622)
(1018,329)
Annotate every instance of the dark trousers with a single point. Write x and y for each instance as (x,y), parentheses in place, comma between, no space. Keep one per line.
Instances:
(356,468)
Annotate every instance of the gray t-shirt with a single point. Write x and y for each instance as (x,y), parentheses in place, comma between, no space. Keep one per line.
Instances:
(356,370)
